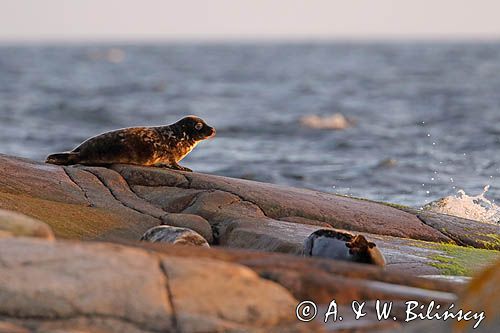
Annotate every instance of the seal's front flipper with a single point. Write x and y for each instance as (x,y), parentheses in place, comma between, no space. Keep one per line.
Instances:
(176,166)
(173,166)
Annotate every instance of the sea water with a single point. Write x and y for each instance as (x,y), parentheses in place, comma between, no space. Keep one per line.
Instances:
(423,119)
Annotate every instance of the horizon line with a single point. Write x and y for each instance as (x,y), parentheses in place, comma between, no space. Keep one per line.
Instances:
(445,38)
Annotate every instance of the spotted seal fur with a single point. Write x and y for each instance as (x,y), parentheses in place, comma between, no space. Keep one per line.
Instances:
(162,146)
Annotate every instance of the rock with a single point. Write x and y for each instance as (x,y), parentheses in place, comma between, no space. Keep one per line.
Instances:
(482,294)
(322,280)
(146,176)
(174,235)
(402,256)
(302,220)
(73,202)
(120,190)
(260,198)
(21,176)
(6,327)
(5,234)
(170,199)
(123,202)
(103,285)
(67,286)
(463,231)
(279,236)
(217,206)
(278,202)
(190,221)
(74,206)
(15,224)
(242,302)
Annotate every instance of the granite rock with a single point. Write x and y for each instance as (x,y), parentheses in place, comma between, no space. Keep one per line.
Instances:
(16,224)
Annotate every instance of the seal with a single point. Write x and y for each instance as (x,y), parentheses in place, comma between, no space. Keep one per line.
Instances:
(160,146)
(174,235)
(344,246)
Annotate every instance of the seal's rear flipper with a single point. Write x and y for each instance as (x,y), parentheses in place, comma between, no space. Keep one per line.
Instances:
(63,158)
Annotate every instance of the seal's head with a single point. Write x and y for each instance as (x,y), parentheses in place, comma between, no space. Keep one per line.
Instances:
(195,128)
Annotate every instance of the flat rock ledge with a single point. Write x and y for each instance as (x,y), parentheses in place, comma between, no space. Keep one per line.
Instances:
(270,248)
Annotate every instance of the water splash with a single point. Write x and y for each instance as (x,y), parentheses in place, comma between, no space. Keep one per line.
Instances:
(477,208)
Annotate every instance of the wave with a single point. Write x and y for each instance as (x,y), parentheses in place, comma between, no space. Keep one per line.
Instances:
(477,208)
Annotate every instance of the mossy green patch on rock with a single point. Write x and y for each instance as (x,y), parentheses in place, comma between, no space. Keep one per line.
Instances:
(397,206)
(459,260)
(493,243)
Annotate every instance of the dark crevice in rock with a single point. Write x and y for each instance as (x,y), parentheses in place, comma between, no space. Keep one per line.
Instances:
(131,189)
(455,239)
(216,233)
(140,198)
(193,201)
(188,179)
(85,194)
(170,296)
(189,186)
(242,199)
(116,197)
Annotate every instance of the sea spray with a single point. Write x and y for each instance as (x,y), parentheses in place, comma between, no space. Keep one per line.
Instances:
(477,208)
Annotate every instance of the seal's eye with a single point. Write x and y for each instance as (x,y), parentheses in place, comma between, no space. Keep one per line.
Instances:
(198,126)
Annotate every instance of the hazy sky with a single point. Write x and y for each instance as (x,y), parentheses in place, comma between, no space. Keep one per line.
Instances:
(237,19)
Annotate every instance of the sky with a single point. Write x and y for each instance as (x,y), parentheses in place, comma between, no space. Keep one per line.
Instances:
(74,20)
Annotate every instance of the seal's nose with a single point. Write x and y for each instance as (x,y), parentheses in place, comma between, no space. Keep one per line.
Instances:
(212,132)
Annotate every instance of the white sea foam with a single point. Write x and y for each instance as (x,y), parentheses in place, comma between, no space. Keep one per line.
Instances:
(477,208)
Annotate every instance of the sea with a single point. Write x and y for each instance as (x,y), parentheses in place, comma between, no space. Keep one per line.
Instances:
(419,120)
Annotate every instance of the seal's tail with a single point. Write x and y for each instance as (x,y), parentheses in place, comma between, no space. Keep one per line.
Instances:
(63,158)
